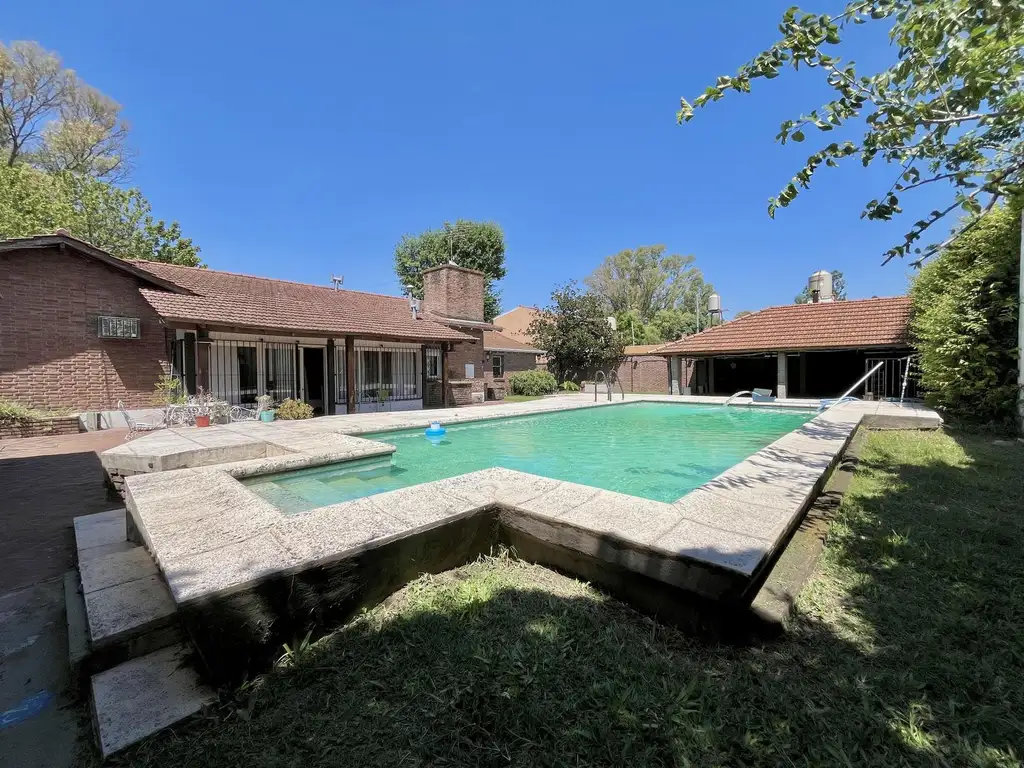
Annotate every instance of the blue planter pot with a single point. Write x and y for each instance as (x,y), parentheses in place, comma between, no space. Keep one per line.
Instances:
(267,416)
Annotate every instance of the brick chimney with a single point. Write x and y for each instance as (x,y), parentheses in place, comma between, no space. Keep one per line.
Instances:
(451,292)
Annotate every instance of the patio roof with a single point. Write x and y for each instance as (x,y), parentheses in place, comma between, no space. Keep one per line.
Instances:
(230,300)
(858,324)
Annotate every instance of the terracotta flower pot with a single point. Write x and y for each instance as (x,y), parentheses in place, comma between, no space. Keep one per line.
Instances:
(203,420)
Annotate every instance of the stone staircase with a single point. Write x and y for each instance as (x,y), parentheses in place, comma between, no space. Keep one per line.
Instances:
(125,643)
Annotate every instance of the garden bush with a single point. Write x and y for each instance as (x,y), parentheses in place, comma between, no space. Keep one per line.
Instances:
(965,322)
(532,383)
(294,409)
(15,413)
(570,386)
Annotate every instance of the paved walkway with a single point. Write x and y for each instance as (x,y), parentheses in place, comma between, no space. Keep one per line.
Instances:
(44,483)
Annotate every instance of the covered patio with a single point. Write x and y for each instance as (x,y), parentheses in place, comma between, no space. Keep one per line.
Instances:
(801,350)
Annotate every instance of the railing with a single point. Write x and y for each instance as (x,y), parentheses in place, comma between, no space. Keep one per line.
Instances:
(845,397)
(607,379)
(734,395)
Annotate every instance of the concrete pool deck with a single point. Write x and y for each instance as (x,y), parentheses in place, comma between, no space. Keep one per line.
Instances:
(235,564)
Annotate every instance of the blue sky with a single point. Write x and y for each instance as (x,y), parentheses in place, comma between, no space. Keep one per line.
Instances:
(298,139)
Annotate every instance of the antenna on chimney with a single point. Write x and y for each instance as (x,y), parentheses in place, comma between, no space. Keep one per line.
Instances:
(338,281)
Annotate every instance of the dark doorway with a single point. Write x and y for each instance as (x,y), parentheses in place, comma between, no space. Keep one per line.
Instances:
(314,366)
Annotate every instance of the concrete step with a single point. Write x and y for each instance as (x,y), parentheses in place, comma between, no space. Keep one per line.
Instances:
(136,699)
(129,611)
(78,631)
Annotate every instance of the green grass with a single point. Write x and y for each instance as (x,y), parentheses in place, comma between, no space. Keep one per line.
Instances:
(907,649)
(521,398)
(16,413)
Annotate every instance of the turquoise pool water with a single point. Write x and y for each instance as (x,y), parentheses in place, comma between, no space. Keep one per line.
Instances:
(656,450)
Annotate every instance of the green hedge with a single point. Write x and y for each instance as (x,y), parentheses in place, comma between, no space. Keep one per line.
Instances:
(965,322)
(532,383)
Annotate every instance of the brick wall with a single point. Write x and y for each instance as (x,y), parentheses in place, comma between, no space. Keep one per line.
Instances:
(58,425)
(514,361)
(644,373)
(469,352)
(50,354)
(456,292)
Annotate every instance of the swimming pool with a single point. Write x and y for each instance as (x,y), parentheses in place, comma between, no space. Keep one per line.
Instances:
(658,451)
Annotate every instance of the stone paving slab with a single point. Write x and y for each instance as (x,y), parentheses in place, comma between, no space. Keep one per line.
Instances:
(145,695)
(117,568)
(100,528)
(127,609)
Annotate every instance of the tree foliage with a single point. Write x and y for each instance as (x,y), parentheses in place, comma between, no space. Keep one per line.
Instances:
(654,297)
(51,119)
(950,110)
(966,305)
(574,332)
(473,244)
(120,221)
(838,290)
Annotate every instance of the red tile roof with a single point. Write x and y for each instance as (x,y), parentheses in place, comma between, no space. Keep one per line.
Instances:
(498,342)
(835,325)
(227,299)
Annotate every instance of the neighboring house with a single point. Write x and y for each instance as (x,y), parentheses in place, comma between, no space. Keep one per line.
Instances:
(799,350)
(516,323)
(507,355)
(83,330)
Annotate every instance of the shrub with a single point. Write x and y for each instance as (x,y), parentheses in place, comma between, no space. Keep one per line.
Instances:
(169,391)
(15,413)
(965,321)
(570,386)
(294,409)
(532,383)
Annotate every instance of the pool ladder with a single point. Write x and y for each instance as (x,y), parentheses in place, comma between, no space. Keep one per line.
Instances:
(607,379)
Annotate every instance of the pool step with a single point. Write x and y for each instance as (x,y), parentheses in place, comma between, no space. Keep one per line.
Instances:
(144,695)
(128,609)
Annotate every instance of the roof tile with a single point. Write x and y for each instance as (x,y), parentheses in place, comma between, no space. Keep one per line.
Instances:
(243,301)
(834,325)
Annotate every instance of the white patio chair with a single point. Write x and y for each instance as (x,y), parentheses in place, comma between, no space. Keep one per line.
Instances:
(135,427)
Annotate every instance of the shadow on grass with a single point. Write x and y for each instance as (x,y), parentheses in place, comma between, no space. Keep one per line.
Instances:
(907,650)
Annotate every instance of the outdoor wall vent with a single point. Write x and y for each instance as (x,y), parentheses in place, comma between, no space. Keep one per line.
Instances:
(119,327)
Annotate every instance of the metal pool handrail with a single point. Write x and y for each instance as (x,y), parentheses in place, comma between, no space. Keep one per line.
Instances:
(859,381)
(607,379)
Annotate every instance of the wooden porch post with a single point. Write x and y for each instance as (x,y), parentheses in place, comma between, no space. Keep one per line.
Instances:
(350,374)
(331,392)
(444,374)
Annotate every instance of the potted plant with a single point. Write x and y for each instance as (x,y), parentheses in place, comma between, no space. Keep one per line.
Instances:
(265,407)
(204,405)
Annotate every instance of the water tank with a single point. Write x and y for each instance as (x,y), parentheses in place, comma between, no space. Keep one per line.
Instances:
(820,285)
(612,323)
(714,303)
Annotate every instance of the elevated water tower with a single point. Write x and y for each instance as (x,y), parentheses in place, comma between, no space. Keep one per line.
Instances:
(820,286)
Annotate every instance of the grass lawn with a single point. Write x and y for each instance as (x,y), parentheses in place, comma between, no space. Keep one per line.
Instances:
(907,649)
(522,398)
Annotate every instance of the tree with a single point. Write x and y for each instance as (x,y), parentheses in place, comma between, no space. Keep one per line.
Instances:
(745,312)
(654,297)
(574,332)
(53,120)
(473,244)
(646,280)
(966,308)
(838,290)
(948,111)
(119,221)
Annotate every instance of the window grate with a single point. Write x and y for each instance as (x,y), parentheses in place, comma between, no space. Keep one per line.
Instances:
(119,327)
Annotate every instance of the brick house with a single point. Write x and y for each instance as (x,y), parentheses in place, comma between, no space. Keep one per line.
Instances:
(802,350)
(81,329)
